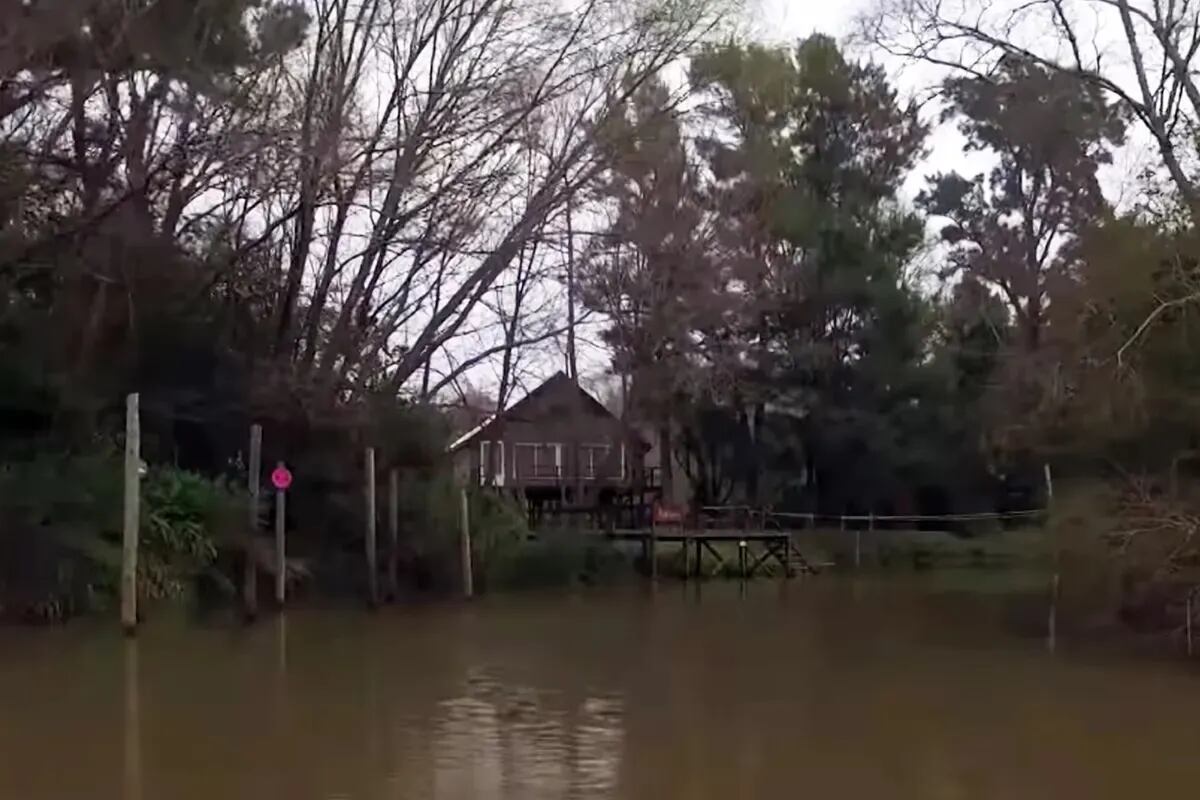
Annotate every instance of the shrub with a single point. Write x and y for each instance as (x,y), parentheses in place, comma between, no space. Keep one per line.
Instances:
(60,517)
(186,519)
(60,533)
(559,559)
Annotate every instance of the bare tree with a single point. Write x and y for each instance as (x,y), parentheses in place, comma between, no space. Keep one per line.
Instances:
(362,175)
(1140,52)
(414,119)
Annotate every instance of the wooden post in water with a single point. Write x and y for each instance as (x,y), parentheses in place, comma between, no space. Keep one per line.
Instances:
(871,524)
(249,567)
(857,543)
(468,579)
(1052,622)
(371,547)
(742,557)
(280,546)
(653,553)
(1189,622)
(393,534)
(129,549)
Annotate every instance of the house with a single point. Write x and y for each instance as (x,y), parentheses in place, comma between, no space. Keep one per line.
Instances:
(557,445)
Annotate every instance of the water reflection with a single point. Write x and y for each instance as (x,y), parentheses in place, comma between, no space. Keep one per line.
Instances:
(132,724)
(504,741)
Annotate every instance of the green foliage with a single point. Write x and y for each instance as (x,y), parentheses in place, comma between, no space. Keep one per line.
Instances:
(807,192)
(60,533)
(559,559)
(499,532)
(186,518)
(60,517)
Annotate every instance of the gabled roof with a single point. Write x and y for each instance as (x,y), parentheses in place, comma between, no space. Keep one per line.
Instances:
(558,379)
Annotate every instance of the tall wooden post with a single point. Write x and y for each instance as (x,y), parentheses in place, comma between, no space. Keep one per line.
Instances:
(393,533)
(129,550)
(280,546)
(468,579)
(249,567)
(1189,623)
(372,551)
(653,553)
(1052,622)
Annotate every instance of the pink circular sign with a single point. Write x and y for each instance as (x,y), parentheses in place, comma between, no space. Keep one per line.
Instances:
(281,478)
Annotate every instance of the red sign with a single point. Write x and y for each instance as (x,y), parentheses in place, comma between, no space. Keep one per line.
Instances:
(281,478)
(667,515)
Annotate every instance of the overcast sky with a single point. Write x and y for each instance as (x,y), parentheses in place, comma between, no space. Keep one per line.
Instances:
(790,19)
(786,21)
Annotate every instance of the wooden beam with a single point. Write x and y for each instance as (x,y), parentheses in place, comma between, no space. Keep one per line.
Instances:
(372,552)
(280,546)
(393,534)
(132,514)
(468,578)
(249,565)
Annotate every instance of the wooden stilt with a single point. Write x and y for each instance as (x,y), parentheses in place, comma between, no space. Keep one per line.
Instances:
(393,534)
(1189,623)
(372,550)
(716,554)
(249,567)
(1052,623)
(132,513)
(280,547)
(468,578)
(653,554)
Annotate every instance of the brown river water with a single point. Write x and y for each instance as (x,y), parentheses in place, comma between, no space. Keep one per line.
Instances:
(828,688)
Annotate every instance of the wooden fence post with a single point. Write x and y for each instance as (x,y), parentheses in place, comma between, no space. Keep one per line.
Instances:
(653,553)
(372,552)
(1189,622)
(129,549)
(280,546)
(687,557)
(468,579)
(393,534)
(1052,622)
(250,568)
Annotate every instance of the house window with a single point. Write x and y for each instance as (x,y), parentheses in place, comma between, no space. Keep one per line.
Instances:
(538,460)
(597,460)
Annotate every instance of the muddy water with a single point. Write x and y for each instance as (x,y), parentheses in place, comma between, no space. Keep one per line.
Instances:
(828,688)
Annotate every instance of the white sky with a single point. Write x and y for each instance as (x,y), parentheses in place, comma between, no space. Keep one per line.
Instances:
(786,20)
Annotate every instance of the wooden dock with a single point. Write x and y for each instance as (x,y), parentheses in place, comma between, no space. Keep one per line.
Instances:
(754,549)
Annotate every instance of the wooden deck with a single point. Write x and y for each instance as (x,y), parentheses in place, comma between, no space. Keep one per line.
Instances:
(754,549)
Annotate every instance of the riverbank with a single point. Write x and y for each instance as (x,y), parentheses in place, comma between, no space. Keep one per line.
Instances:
(923,549)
